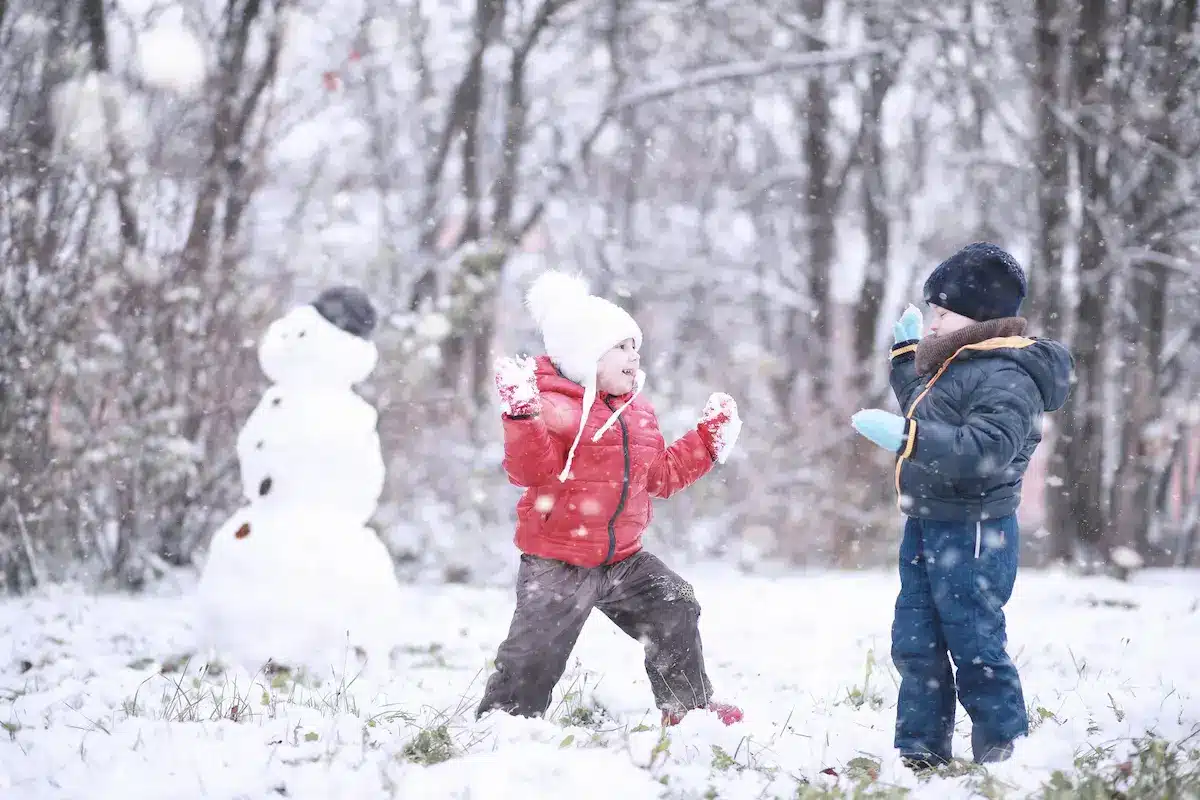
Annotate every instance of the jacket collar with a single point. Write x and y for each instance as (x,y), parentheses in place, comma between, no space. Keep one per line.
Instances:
(933,351)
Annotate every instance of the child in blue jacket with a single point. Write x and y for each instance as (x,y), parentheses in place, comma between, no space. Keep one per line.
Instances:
(972,392)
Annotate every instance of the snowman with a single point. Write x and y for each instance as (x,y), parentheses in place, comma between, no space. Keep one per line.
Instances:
(296,577)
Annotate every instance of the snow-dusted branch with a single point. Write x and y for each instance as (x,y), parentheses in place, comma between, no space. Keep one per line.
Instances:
(505,188)
(744,70)
(700,79)
(1145,255)
(461,118)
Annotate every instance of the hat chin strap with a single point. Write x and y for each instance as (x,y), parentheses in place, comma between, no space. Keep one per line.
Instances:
(638,383)
(589,398)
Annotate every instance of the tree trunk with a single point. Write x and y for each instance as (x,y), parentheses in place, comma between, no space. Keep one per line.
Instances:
(1146,441)
(820,212)
(1046,276)
(465,351)
(875,214)
(1148,437)
(985,190)
(1082,421)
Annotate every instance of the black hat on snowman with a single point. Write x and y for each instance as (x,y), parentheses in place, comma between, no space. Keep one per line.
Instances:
(347,308)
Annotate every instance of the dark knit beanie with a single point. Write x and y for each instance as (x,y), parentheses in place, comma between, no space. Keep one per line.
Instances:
(980,281)
(348,308)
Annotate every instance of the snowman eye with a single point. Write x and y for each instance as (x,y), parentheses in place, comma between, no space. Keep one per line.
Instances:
(300,335)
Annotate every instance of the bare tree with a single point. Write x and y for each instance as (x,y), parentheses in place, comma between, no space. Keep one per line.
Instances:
(1119,438)
(130,412)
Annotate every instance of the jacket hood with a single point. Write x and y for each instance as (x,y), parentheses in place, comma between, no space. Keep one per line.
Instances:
(1048,362)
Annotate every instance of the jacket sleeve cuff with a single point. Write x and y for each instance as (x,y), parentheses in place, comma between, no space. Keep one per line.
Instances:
(908,443)
(904,350)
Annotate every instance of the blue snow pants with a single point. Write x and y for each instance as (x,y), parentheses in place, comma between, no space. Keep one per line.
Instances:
(955,578)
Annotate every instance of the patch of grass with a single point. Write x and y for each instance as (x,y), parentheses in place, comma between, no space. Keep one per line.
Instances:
(1039,716)
(722,761)
(434,652)
(578,709)
(1156,769)
(855,790)
(176,663)
(213,693)
(580,715)
(865,695)
(431,746)
(1110,602)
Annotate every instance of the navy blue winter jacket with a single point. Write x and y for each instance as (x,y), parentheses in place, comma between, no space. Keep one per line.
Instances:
(973,420)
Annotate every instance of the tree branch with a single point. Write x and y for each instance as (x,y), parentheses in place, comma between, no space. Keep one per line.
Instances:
(464,104)
(505,188)
(93,11)
(700,79)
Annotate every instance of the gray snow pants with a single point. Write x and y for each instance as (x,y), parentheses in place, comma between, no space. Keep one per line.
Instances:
(554,599)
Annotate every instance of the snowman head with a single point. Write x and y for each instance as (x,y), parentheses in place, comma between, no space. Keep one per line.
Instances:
(322,343)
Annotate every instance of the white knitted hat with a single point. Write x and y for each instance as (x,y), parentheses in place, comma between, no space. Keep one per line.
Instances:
(578,328)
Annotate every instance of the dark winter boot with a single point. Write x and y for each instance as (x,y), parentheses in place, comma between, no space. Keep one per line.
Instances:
(923,763)
(986,752)
(919,765)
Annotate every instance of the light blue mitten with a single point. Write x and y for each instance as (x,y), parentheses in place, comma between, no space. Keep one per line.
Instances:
(910,325)
(881,427)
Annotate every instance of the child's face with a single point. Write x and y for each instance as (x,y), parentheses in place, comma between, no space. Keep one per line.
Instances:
(617,369)
(946,322)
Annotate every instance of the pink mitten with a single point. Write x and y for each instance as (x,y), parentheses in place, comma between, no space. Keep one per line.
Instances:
(720,425)
(517,385)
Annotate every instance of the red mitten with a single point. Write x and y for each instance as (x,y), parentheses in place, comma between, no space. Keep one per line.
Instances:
(720,425)
(517,385)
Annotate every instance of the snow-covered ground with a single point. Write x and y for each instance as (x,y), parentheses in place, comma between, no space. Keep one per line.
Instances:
(89,711)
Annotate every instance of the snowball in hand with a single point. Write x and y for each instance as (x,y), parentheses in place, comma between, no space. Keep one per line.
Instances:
(721,421)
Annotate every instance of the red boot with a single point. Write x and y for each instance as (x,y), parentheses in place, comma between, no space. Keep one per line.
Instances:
(727,713)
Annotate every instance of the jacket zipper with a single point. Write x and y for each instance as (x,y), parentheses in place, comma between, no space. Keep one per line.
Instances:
(912,409)
(1001,342)
(612,522)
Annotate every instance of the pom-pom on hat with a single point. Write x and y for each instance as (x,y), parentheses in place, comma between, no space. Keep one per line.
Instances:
(578,328)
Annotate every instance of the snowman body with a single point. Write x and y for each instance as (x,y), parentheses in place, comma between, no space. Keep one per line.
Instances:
(296,577)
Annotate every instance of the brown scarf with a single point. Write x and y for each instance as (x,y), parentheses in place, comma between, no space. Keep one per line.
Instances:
(932,351)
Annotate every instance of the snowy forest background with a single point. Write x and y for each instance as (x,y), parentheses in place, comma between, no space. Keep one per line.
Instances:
(764,185)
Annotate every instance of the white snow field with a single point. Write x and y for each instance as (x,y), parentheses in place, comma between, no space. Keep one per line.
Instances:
(96,703)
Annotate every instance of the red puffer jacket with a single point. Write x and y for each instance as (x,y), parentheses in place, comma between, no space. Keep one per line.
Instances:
(597,516)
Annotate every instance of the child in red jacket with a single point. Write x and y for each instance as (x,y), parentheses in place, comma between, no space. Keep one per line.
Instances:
(586,446)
